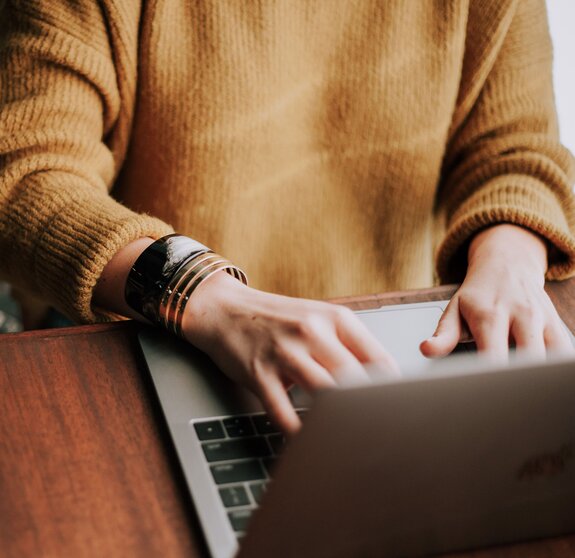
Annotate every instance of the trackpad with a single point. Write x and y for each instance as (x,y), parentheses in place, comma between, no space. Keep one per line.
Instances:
(401,330)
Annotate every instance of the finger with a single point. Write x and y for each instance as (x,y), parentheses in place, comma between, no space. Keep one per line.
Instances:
(490,329)
(354,334)
(304,371)
(447,333)
(382,371)
(278,404)
(557,339)
(556,336)
(341,364)
(527,332)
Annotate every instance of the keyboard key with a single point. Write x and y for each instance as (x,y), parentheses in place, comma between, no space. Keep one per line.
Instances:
(240,519)
(277,442)
(468,347)
(234,496)
(237,427)
(258,490)
(209,430)
(237,472)
(269,464)
(236,449)
(264,425)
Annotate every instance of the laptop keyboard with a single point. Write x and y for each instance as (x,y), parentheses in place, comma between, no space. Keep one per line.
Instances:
(241,452)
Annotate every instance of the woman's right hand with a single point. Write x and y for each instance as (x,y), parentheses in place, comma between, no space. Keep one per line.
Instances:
(264,341)
(269,342)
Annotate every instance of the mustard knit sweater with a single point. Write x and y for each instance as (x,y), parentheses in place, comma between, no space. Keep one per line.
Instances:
(329,148)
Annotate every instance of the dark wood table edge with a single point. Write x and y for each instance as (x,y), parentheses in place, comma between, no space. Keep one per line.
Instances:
(556,290)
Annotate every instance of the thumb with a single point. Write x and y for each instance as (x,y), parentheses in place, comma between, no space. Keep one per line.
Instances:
(447,333)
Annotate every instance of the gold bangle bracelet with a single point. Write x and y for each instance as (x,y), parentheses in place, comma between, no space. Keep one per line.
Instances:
(184,286)
(165,275)
(208,269)
(179,280)
(180,288)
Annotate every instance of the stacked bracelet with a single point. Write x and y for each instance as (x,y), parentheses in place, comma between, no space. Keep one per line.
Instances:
(166,274)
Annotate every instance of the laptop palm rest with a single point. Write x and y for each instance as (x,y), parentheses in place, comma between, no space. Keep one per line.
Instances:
(188,383)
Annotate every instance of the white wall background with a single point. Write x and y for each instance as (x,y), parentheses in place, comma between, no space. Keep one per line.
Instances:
(562,24)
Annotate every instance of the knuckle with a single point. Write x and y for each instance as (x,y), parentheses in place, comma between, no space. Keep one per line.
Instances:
(345,319)
(488,314)
(308,326)
(343,313)
(528,312)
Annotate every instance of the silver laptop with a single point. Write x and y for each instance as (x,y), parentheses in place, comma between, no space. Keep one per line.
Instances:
(452,456)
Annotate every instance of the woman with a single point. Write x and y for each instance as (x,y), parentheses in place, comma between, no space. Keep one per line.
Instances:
(325,148)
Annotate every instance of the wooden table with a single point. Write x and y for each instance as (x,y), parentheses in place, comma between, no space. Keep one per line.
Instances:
(86,463)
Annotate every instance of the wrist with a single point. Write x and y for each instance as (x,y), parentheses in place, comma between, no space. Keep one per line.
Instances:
(204,309)
(109,290)
(164,277)
(509,244)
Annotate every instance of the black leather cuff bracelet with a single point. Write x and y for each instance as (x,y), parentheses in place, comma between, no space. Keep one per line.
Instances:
(151,273)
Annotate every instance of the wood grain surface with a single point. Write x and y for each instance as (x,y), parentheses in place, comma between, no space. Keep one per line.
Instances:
(87,468)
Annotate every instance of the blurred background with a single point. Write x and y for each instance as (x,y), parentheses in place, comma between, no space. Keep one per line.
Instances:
(561,23)
(10,316)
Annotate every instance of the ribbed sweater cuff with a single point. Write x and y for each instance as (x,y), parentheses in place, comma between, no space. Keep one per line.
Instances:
(516,199)
(89,228)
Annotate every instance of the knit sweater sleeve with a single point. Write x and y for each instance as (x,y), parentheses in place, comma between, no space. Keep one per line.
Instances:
(504,162)
(64,118)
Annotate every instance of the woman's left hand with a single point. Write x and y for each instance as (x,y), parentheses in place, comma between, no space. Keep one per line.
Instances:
(502,298)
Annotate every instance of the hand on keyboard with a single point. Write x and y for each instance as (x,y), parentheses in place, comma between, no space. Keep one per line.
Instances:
(269,342)
(502,299)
